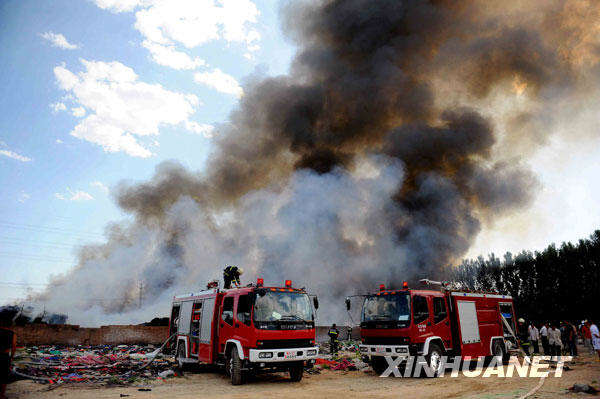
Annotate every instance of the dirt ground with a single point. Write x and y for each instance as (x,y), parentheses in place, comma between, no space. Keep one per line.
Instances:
(329,384)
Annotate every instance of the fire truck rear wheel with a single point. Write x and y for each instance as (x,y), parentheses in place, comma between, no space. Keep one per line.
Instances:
(434,359)
(235,367)
(296,372)
(498,351)
(180,356)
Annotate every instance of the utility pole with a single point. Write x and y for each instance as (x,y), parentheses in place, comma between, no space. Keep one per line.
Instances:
(141,293)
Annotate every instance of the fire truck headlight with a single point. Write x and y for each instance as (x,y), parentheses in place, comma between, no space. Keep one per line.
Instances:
(364,349)
(401,350)
(265,355)
(311,352)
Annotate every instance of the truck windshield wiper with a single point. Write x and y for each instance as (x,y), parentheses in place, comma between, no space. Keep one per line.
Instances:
(293,317)
(384,317)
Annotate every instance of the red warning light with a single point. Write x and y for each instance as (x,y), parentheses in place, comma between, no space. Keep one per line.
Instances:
(381,287)
(405,285)
(288,283)
(260,282)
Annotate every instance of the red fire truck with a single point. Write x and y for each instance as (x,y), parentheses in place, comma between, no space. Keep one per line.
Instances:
(409,322)
(248,329)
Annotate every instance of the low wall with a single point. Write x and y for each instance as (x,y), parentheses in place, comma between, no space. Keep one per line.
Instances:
(66,334)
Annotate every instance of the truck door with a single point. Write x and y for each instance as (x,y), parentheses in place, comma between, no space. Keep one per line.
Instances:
(441,321)
(243,323)
(226,322)
(421,318)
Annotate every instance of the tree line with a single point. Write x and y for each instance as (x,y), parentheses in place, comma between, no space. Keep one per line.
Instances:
(551,285)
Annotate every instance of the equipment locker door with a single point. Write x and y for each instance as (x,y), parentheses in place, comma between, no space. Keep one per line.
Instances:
(205,354)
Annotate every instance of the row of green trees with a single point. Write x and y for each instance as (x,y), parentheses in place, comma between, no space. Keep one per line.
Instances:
(554,284)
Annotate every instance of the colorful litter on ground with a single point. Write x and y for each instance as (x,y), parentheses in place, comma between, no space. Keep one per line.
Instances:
(117,365)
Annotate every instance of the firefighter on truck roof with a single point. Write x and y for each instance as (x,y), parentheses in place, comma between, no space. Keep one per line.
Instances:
(231,274)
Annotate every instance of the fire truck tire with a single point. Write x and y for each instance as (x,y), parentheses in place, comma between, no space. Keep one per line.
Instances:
(180,356)
(379,364)
(234,363)
(498,350)
(296,372)
(434,359)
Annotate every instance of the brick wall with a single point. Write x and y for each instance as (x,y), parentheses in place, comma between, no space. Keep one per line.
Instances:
(66,334)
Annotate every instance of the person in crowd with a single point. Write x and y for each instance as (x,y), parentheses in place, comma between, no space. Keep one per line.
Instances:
(534,337)
(572,338)
(544,337)
(555,341)
(8,347)
(587,336)
(523,336)
(595,339)
(563,337)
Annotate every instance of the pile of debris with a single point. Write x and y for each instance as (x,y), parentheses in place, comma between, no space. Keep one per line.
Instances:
(117,365)
(342,364)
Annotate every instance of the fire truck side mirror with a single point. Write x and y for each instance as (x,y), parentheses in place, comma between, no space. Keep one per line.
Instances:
(348,304)
(316,302)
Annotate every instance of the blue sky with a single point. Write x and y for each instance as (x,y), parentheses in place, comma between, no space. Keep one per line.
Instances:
(55,186)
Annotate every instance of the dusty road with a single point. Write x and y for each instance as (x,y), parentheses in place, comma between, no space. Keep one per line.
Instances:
(330,384)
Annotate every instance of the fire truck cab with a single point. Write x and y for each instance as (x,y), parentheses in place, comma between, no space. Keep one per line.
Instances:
(248,329)
(409,322)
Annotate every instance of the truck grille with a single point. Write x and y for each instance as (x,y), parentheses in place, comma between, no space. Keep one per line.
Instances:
(386,341)
(286,343)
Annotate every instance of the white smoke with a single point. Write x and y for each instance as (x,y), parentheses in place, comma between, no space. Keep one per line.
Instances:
(316,230)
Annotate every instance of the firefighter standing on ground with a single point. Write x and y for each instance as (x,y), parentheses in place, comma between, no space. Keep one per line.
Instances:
(334,335)
(232,274)
(523,335)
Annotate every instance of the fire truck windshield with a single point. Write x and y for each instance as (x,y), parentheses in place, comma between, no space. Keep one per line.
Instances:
(285,306)
(387,308)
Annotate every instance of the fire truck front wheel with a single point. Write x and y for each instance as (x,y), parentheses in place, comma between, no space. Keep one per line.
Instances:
(296,372)
(234,365)
(434,359)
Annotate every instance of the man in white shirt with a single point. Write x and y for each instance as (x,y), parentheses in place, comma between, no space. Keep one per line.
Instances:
(534,337)
(555,341)
(595,339)
(544,335)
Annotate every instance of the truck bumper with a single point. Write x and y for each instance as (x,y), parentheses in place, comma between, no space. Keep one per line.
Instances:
(283,354)
(384,350)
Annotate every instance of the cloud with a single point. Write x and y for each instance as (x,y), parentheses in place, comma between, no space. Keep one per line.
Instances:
(169,56)
(78,112)
(57,107)
(189,23)
(59,141)
(219,81)
(14,155)
(74,196)
(100,186)
(201,128)
(23,196)
(59,40)
(122,109)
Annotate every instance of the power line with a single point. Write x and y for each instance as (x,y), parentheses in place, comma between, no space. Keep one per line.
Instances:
(48,229)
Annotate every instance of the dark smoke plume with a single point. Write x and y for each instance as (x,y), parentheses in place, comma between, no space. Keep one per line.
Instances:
(373,160)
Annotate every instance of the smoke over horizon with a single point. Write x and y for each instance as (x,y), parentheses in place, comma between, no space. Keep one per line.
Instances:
(376,159)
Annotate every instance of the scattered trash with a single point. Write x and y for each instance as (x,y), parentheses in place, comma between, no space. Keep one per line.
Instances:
(145,389)
(110,364)
(124,395)
(585,388)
